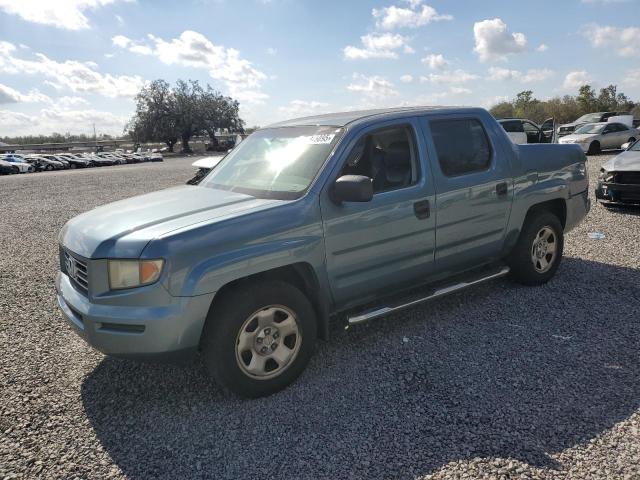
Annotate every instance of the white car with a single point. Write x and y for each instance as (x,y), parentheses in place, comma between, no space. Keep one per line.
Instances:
(19,162)
(522,131)
(595,137)
(204,166)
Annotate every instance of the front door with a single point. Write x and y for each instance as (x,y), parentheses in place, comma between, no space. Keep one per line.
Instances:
(377,246)
(474,191)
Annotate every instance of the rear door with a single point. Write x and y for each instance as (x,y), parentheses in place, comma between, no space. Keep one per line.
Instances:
(534,134)
(474,191)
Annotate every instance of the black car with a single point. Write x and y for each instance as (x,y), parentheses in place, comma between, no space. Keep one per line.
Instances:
(7,169)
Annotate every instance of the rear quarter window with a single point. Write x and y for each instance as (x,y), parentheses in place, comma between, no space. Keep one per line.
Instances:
(462,146)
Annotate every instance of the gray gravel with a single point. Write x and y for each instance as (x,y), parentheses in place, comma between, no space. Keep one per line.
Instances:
(499,382)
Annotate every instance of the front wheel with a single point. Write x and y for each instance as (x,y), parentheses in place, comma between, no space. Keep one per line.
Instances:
(538,252)
(259,337)
(594,148)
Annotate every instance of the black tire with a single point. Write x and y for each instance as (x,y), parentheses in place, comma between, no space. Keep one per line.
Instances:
(523,269)
(227,319)
(49,167)
(594,148)
(631,140)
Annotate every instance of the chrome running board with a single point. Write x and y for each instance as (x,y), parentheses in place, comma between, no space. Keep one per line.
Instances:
(439,292)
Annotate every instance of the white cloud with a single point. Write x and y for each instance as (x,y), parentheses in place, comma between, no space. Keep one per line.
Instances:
(66,14)
(453,76)
(70,102)
(406,78)
(300,108)
(542,47)
(460,90)
(576,79)
(531,76)
(632,78)
(10,95)
(493,41)
(385,45)
(51,120)
(192,49)
(435,61)
(374,86)
(71,74)
(271,51)
(417,15)
(623,42)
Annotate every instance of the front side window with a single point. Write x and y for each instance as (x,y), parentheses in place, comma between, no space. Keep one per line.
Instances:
(387,157)
(277,163)
(530,128)
(462,146)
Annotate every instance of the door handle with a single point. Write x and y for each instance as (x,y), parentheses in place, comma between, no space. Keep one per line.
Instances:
(502,189)
(422,209)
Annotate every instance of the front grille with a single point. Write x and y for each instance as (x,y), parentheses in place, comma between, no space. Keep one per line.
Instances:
(77,271)
(627,178)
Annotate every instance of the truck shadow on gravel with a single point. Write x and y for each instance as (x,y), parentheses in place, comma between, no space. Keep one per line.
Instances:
(499,372)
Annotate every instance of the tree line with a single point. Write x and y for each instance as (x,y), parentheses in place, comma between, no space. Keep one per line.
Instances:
(171,114)
(54,138)
(567,108)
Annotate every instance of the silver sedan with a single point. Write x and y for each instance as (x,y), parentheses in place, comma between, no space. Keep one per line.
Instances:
(594,137)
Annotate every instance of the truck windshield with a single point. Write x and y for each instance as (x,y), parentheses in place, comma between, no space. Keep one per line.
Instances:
(589,118)
(275,163)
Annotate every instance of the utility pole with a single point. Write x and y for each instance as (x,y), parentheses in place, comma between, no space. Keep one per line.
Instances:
(95,138)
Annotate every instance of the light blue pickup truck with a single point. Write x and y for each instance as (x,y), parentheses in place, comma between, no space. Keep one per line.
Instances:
(346,216)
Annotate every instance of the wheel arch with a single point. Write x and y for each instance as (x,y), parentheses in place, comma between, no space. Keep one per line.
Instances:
(557,206)
(301,275)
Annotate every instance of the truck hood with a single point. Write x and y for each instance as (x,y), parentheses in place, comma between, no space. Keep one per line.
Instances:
(122,229)
(625,162)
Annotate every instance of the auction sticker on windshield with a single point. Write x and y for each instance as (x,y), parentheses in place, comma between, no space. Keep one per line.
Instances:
(321,139)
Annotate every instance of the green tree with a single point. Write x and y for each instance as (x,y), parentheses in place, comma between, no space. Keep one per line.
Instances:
(502,110)
(187,97)
(586,100)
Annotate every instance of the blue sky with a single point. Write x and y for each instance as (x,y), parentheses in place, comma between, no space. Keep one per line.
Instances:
(66,65)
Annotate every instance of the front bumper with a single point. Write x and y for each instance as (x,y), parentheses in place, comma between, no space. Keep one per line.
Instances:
(618,193)
(171,329)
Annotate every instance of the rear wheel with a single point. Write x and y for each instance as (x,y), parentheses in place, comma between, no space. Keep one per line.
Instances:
(259,337)
(594,148)
(538,252)
(631,140)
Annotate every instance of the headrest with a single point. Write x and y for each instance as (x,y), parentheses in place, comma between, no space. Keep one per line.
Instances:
(398,154)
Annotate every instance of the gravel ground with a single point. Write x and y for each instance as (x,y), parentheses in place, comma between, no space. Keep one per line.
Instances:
(501,381)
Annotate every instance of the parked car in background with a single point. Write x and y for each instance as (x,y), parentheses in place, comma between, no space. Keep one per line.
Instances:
(18,161)
(204,166)
(311,218)
(595,137)
(619,180)
(156,157)
(523,131)
(7,168)
(65,163)
(74,162)
(597,117)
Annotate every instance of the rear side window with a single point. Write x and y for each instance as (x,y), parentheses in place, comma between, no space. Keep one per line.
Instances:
(462,146)
(512,126)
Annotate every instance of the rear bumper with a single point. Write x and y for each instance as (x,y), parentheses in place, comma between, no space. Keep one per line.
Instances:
(158,332)
(618,193)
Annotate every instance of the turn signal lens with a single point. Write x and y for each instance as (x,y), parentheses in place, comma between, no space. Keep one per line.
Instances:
(133,273)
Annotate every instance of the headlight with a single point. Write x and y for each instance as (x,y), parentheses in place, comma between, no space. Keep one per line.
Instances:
(605,176)
(133,273)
